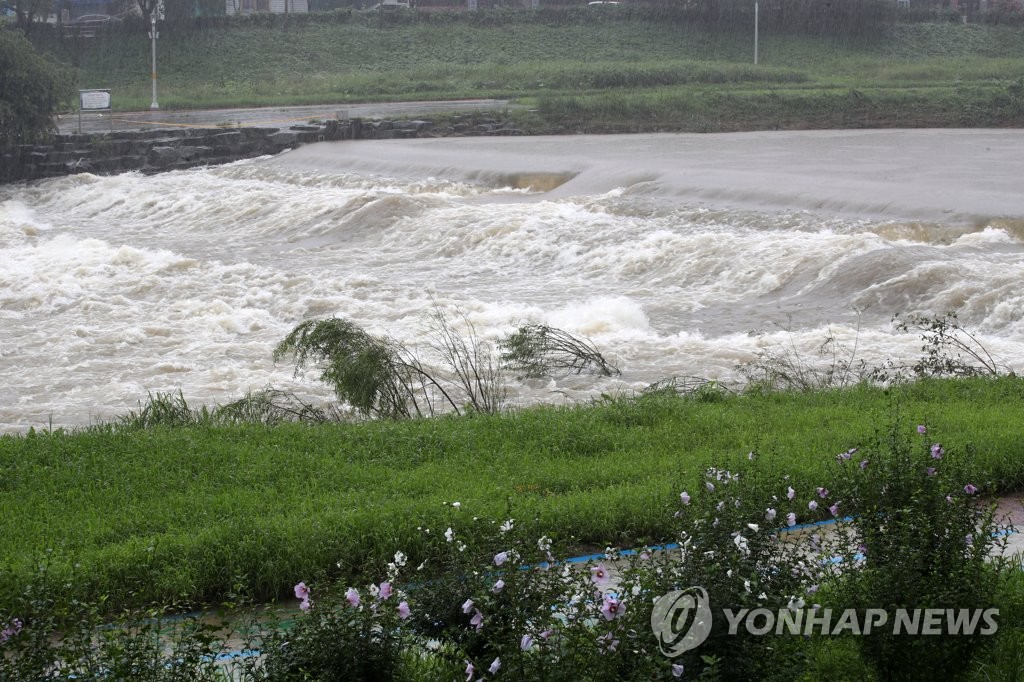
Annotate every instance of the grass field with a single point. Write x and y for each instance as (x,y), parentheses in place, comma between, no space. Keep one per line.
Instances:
(619,71)
(187,513)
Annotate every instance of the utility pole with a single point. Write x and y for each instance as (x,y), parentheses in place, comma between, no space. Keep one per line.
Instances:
(755,35)
(153,35)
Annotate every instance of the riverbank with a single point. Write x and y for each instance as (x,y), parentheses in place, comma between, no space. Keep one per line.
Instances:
(159,148)
(191,514)
(632,70)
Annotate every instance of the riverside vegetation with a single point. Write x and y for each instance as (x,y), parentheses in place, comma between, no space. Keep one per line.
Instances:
(609,69)
(391,526)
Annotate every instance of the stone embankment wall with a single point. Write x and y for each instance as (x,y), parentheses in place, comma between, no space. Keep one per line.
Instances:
(154,151)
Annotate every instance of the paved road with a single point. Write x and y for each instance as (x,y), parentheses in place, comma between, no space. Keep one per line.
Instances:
(267,116)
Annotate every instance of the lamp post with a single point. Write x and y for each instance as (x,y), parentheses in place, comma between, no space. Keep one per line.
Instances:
(153,35)
(755,38)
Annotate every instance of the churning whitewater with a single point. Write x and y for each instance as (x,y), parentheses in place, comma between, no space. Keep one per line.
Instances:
(678,255)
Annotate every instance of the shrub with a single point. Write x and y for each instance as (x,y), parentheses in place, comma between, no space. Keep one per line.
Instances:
(32,86)
(381,377)
(374,375)
(489,598)
(949,349)
(732,544)
(49,637)
(783,367)
(361,639)
(923,541)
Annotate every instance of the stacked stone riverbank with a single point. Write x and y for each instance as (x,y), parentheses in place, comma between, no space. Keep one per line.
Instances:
(163,149)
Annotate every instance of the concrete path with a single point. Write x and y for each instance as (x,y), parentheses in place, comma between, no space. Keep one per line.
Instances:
(1010,510)
(280,117)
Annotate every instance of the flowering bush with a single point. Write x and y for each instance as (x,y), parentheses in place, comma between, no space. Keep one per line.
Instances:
(920,538)
(732,543)
(359,634)
(491,600)
(504,606)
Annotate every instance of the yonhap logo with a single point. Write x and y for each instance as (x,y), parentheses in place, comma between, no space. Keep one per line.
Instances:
(681,620)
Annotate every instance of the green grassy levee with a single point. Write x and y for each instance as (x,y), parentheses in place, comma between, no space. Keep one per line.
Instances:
(622,71)
(186,513)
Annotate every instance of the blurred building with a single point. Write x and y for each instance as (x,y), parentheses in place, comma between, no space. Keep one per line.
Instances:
(266,6)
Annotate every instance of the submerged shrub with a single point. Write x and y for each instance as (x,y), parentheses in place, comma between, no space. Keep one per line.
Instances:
(949,350)
(273,406)
(372,374)
(164,409)
(783,367)
(537,350)
(381,377)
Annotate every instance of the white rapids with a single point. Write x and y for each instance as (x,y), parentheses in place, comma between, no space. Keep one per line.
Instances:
(678,255)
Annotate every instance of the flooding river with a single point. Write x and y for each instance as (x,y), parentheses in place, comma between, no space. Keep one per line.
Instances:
(677,255)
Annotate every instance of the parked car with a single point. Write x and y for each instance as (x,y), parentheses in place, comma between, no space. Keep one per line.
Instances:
(88,25)
(389,6)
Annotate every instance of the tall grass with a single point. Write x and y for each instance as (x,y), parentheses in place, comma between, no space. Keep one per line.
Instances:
(713,110)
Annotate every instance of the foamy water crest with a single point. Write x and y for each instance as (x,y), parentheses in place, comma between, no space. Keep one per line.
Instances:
(113,287)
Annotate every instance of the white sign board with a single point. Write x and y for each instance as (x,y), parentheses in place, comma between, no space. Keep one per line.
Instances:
(94,100)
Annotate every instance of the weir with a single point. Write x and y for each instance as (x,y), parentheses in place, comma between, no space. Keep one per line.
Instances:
(944,176)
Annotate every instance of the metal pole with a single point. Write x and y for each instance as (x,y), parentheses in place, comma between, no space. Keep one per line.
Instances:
(755,34)
(153,35)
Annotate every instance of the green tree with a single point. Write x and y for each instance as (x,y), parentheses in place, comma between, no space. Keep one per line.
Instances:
(28,12)
(147,7)
(32,86)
